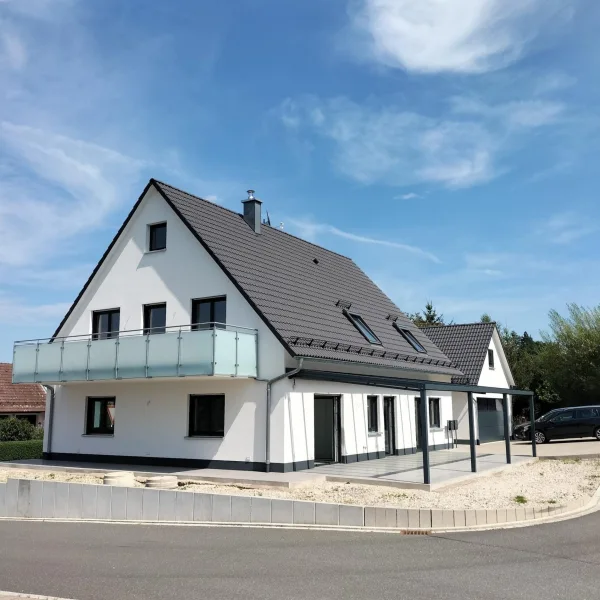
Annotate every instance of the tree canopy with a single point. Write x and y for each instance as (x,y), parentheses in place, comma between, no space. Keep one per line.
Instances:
(428,318)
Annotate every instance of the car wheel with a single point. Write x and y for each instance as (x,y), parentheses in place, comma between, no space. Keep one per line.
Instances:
(540,437)
(597,433)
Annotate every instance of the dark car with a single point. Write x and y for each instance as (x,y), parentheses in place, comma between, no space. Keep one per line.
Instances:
(560,423)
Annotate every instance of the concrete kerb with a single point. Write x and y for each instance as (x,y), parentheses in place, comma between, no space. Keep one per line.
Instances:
(51,501)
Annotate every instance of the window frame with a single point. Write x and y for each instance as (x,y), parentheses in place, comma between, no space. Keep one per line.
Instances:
(147,308)
(372,414)
(151,229)
(487,404)
(411,339)
(191,433)
(195,326)
(491,363)
(359,323)
(104,428)
(435,404)
(109,335)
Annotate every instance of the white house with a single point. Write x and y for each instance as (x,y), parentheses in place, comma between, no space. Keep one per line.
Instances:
(206,338)
(477,350)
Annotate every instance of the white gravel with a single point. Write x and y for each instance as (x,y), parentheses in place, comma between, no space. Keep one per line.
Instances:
(539,484)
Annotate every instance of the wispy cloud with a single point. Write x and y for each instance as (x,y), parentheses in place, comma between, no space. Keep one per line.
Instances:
(464,36)
(565,228)
(311,231)
(409,196)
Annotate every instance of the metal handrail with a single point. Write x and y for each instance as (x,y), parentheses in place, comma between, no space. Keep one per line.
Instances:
(211,325)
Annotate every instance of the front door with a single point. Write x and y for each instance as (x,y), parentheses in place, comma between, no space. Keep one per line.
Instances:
(327,429)
(389,425)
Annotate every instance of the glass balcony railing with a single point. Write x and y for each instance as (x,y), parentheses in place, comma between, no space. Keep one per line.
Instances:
(210,349)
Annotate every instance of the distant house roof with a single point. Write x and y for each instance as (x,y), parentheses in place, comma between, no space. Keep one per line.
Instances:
(301,290)
(21,398)
(466,345)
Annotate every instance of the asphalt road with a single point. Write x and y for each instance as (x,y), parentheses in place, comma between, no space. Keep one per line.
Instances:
(105,562)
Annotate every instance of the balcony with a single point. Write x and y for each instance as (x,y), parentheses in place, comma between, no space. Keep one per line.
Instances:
(212,349)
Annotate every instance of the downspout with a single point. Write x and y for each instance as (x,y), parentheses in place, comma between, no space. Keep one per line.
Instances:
(270,382)
(50,408)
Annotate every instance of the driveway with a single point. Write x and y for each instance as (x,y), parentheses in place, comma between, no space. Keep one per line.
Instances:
(127,562)
(584,448)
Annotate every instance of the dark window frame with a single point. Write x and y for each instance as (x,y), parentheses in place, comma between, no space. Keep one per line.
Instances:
(361,326)
(435,414)
(105,427)
(147,319)
(112,333)
(196,302)
(218,432)
(594,412)
(373,414)
(491,364)
(410,337)
(153,244)
(487,404)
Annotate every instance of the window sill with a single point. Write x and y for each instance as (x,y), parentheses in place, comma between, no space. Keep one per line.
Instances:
(434,429)
(204,437)
(155,251)
(375,433)
(95,435)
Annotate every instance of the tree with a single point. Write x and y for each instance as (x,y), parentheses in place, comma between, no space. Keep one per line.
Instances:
(16,430)
(485,318)
(428,318)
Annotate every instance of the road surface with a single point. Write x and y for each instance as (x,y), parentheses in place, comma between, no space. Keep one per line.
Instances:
(126,562)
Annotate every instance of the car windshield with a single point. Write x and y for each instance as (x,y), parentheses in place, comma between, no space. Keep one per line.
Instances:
(548,416)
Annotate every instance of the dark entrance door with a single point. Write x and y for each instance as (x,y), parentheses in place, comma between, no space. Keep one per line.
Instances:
(418,422)
(327,429)
(389,425)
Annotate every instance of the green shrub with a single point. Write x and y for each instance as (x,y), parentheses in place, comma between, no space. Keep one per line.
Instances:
(23,450)
(16,430)
(520,499)
(38,433)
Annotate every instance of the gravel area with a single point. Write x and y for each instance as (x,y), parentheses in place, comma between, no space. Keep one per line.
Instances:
(542,483)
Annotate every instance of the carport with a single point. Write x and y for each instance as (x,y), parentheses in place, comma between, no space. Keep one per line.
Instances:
(422,388)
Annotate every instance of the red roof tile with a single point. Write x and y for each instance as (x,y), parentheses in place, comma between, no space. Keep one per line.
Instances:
(22,397)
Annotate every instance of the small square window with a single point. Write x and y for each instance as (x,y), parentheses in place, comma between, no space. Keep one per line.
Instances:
(372,414)
(434,412)
(491,359)
(411,339)
(209,312)
(157,237)
(100,416)
(207,416)
(364,329)
(155,318)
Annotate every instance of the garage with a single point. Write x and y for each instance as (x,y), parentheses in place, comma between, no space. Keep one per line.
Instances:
(490,419)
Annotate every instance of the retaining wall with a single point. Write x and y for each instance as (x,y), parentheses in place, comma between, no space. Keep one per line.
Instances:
(35,499)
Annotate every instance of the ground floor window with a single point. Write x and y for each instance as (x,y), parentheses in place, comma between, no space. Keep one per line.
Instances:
(487,404)
(207,415)
(372,414)
(434,412)
(100,416)
(29,418)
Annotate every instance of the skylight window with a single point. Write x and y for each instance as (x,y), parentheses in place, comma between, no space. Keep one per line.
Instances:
(360,324)
(411,339)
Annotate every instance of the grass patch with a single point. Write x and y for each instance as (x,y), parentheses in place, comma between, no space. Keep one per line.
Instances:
(550,501)
(571,461)
(10,451)
(520,499)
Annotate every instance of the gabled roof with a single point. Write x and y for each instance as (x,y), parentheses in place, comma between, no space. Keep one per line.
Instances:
(466,345)
(21,398)
(301,299)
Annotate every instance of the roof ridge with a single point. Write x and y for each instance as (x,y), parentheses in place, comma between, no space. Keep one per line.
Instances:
(230,210)
(459,325)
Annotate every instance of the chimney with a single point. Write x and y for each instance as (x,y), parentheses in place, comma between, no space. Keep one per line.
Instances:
(252,211)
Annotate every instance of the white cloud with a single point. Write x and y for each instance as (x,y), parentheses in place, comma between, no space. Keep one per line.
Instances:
(465,36)
(565,228)
(311,230)
(409,196)
(15,310)
(12,50)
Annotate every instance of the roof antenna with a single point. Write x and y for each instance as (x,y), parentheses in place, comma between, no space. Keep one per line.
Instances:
(281,225)
(267,221)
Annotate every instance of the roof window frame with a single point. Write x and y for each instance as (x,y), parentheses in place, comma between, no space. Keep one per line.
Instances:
(410,338)
(359,323)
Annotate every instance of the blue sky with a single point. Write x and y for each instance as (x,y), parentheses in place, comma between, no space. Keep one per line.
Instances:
(449,147)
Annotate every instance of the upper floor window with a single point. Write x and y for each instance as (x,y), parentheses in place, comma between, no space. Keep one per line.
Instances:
(209,312)
(491,359)
(361,325)
(155,318)
(105,324)
(411,339)
(157,237)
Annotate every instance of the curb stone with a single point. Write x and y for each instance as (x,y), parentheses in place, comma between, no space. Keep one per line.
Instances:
(12,595)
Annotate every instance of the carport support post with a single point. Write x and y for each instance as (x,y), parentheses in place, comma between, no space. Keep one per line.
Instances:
(506,428)
(424,418)
(472,443)
(532,421)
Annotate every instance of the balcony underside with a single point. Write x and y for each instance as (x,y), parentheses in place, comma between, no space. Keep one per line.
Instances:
(210,352)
